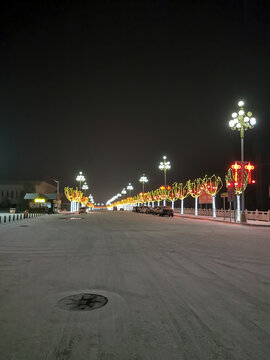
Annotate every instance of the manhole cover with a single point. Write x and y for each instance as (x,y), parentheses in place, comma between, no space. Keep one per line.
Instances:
(62,218)
(24,225)
(82,301)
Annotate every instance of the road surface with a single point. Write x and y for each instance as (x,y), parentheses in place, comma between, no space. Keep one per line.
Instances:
(176,288)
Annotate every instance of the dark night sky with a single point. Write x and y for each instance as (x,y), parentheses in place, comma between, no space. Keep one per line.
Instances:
(109,87)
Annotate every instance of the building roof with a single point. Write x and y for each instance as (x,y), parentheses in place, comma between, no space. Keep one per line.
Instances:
(32,196)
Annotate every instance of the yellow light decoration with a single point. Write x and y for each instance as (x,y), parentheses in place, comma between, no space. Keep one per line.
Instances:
(75,195)
(230,181)
(212,184)
(172,194)
(195,188)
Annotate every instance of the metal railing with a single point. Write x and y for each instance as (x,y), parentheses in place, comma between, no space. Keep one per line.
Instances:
(7,218)
(256,215)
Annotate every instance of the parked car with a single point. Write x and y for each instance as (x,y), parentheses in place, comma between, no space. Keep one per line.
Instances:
(156,210)
(166,211)
(149,210)
(82,210)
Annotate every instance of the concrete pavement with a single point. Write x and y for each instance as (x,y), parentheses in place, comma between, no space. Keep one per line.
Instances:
(177,288)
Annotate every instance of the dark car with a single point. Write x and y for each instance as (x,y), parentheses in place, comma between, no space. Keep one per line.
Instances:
(82,210)
(156,210)
(149,210)
(166,211)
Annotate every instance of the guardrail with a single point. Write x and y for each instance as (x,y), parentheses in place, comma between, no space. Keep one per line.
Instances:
(250,215)
(5,218)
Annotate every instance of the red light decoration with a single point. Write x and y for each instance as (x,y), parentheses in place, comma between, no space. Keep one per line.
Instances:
(249,168)
(236,167)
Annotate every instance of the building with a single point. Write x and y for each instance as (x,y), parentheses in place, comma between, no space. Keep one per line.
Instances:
(12,192)
(43,201)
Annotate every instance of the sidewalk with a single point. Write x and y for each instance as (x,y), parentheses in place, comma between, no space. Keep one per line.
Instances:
(222,220)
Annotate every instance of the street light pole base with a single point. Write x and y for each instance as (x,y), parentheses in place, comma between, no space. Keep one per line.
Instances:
(243,218)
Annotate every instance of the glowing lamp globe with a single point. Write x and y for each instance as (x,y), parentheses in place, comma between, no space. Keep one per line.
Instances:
(252,121)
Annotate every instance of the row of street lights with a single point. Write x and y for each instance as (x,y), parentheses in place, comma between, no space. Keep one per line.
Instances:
(164,166)
(241,121)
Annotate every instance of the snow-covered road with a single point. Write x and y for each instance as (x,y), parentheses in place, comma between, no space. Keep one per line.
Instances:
(176,288)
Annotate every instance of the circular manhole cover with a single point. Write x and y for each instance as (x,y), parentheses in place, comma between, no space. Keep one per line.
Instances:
(24,225)
(82,301)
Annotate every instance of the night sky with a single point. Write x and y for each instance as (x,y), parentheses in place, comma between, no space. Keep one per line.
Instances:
(109,87)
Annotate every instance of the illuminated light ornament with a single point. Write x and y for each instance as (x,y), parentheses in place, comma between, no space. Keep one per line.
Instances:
(236,167)
(249,168)
(195,191)
(212,186)
(182,193)
(237,189)
(172,194)
(75,197)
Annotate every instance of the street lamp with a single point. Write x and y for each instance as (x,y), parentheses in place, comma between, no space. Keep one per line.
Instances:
(85,187)
(124,191)
(242,121)
(80,178)
(57,184)
(143,180)
(129,188)
(164,166)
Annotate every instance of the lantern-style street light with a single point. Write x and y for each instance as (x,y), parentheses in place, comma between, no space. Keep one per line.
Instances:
(164,166)
(85,187)
(129,188)
(143,180)
(80,178)
(242,121)
(124,191)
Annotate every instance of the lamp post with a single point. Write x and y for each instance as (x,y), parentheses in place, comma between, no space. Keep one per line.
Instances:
(57,191)
(143,180)
(80,178)
(242,121)
(129,188)
(164,166)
